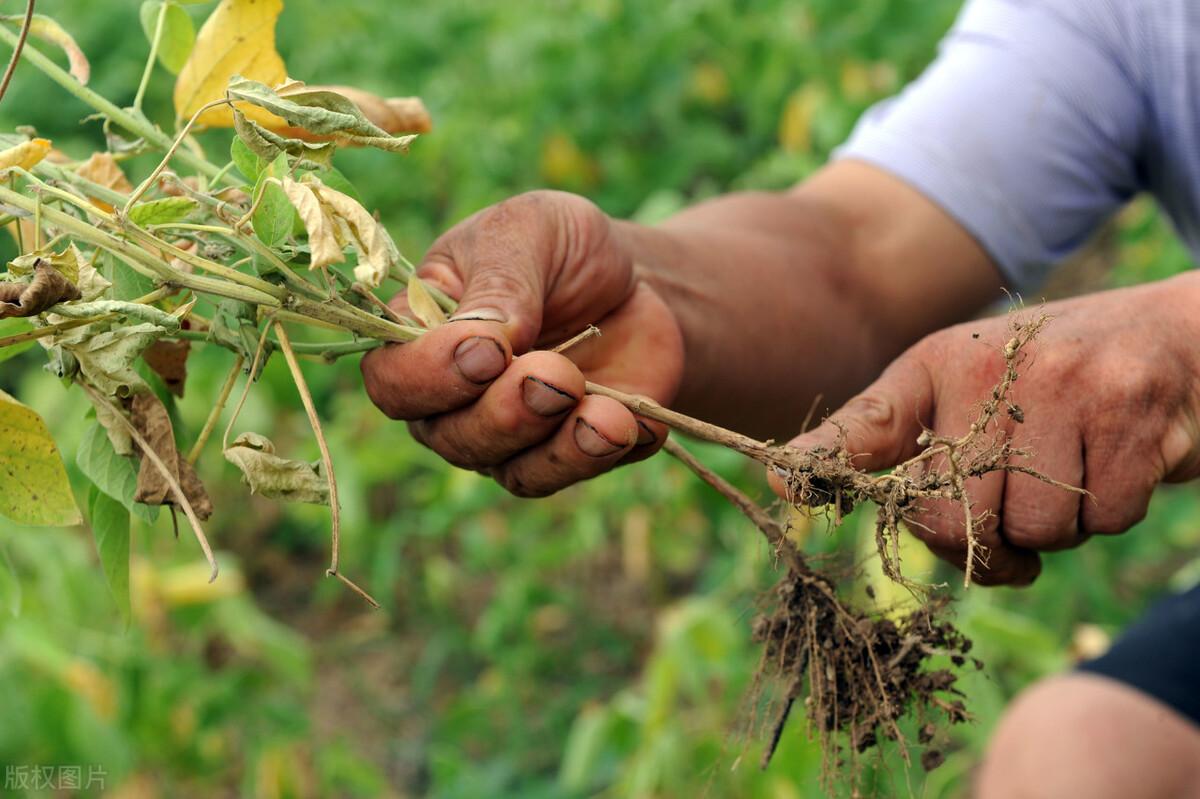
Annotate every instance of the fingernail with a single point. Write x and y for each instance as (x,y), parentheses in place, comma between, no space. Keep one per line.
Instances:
(480,359)
(588,439)
(545,399)
(645,435)
(479,315)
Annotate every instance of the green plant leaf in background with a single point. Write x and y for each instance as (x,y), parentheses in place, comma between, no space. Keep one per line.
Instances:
(11,327)
(161,212)
(33,481)
(10,584)
(113,474)
(110,527)
(178,33)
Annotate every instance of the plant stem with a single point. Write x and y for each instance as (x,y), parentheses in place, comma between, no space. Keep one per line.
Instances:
(17,48)
(134,123)
(215,415)
(326,460)
(644,406)
(149,70)
(171,150)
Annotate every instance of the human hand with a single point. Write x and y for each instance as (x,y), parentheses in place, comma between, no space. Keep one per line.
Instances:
(482,391)
(1110,400)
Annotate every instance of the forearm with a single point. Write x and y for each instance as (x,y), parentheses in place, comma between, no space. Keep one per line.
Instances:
(782,297)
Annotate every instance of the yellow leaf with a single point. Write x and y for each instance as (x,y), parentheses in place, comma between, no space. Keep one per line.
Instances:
(34,489)
(25,155)
(423,305)
(325,249)
(376,251)
(237,39)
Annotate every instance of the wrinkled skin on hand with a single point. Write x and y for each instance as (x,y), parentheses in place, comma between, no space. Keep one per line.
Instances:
(1111,402)
(483,391)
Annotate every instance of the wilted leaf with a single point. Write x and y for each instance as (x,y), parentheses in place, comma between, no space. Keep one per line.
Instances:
(322,230)
(47,29)
(178,33)
(237,39)
(161,212)
(102,168)
(393,114)
(274,477)
(47,289)
(168,359)
(267,145)
(377,252)
(25,155)
(110,528)
(319,111)
(106,359)
(423,305)
(113,473)
(152,421)
(70,263)
(88,280)
(33,481)
(12,327)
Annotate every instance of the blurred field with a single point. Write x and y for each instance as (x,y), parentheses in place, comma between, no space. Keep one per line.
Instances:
(596,643)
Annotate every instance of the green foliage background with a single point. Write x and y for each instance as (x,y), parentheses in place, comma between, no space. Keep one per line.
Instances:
(593,643)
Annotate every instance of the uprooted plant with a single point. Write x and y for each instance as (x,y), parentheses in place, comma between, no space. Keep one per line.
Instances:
(117,282)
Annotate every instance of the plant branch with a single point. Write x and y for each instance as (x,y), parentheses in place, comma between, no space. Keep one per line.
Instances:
(214,415)
(154,43)
(17,48)
(326,460)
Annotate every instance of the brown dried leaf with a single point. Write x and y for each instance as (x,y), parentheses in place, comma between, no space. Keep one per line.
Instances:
(103,169)
(152,421)
(168,359)
(47,289)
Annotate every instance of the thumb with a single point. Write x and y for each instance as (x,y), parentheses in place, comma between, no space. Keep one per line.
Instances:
(880,426)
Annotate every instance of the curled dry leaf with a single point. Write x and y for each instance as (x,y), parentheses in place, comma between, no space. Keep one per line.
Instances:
(168,359)
(237,39)
(25,155)
(106,359)
(423,305)
(393,114)
(151,420)
(48,30)
(322,230)
(274,477)
(48,288)
(321,112)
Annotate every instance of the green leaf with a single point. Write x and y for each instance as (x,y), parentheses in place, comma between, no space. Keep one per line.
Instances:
(126,283)
(318,111)
(161,212)
(275,217)
(247,162)
(178,33)
(274,477)
(11,327)
(110,528)
(335,180)
(33,481)
(10,584)
(115,475)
